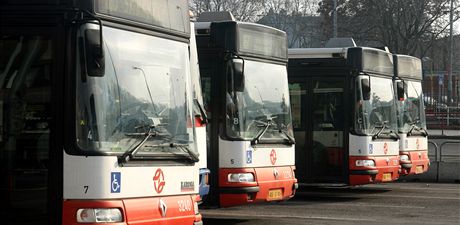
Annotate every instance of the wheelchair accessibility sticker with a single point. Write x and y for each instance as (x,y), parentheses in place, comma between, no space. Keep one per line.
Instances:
(115,182)
(249,156)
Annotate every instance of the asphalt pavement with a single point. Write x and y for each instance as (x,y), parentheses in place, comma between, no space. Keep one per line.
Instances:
(389,203)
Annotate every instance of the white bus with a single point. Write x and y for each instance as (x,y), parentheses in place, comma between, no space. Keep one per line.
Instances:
(244,80)
(344,115)
(413,143)
(96,119)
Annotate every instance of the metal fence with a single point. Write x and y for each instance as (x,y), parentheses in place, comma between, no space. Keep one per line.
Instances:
(443,117)
(445,162)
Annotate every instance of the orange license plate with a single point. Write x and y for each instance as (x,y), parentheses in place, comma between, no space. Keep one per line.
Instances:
(275,194)
(419,169)
(386,177)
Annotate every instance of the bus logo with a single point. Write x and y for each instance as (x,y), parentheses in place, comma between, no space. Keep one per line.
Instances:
(159,181)
(115,182)
(273,157)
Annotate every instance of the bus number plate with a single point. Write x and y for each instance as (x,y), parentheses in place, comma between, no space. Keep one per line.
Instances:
(275,194)
(386,177)
(419,169)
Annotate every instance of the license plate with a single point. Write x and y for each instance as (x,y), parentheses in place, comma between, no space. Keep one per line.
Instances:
(419,169)
(275,194)
(386,177)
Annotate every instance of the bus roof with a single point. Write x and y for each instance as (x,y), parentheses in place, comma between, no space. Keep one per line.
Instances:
(407,66)
(361,58)
(303,53)
(163,15)
(248,39)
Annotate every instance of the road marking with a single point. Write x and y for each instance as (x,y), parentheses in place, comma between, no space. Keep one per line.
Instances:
(415,197)
(374,205)
(239,215)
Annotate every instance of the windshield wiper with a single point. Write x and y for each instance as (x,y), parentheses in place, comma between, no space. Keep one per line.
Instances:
(423,131)
(393,135)
(290,139)
(282,128)
(184,147)
(265,126)
(128,155)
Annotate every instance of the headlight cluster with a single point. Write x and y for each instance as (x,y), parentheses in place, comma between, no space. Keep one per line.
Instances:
(365,162)
(240,177)
(404,158)
(102,215)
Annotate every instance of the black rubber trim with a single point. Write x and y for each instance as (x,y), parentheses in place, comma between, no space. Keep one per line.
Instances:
(406,165)
(364,172)
(239,190)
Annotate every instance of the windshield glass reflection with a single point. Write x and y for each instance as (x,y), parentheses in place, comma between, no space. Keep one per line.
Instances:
(144,90)
(377,115)
(264,104)
(411,110)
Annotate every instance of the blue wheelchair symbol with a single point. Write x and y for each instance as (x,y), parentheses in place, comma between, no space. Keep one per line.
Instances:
(249,156)
(115,182)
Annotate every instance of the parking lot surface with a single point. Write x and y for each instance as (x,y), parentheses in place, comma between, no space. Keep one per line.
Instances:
(391,203)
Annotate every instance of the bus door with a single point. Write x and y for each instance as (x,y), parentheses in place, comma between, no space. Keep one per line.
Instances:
(27,65)
(319,118)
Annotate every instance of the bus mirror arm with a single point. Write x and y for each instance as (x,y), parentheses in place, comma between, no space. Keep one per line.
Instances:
(366,89)
(94,53)
(400,90)
(238,73)
(93,46)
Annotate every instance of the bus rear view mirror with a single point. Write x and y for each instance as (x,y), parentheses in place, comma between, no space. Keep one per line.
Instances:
(400,90)
(94,53)
(366,89)
(238,74)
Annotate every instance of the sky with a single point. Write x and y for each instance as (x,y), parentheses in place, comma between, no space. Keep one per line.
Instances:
(457,27)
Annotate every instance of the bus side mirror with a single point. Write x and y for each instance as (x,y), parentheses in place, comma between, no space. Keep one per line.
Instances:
(366,89)
(238,74)
(400,90)
(94,53)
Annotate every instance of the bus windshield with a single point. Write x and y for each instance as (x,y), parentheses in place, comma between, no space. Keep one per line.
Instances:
(262,105)
(144,90)
(378,114)
(411,110)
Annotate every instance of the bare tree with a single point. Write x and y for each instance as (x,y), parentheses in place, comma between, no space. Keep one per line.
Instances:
(243,10)
(405,26)
(296,17)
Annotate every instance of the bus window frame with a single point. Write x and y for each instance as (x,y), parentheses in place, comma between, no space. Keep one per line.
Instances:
(223,91)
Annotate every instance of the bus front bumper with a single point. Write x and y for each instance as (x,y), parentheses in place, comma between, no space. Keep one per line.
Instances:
(385,169)
(270,184)
(418,162)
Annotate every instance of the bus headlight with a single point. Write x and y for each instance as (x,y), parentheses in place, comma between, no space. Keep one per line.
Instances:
(404,158)
(365,162)
(240,177)
(102,215)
